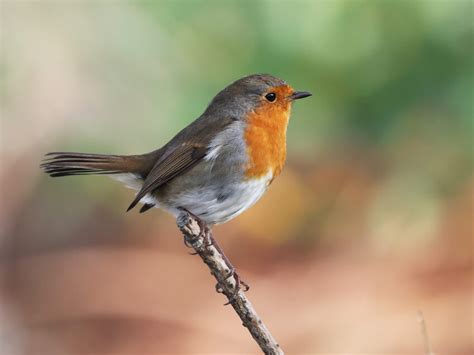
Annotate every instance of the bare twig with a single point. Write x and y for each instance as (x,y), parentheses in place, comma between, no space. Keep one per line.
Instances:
(227,283)
(424,334)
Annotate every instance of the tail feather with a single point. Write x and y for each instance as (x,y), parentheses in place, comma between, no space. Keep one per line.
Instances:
(69,164)
(134,167)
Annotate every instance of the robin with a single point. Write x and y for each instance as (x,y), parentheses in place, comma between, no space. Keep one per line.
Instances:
(215,168)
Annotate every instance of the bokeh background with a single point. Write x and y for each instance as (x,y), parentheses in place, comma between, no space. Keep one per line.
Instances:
(370,222)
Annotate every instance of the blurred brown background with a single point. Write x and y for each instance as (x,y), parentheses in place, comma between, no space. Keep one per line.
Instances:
(370,221)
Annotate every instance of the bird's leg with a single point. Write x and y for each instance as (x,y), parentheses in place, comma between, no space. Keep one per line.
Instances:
(208,240)
(204,231)
(231,273)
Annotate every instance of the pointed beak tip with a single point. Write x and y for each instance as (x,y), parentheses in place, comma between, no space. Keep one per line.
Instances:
(300,95)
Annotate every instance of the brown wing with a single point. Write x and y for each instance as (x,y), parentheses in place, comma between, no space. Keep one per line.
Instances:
(177,162)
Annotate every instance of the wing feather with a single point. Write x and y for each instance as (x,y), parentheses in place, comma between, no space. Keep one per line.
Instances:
(182,153)
(180,160)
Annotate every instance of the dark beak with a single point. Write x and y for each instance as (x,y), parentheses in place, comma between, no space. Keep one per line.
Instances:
(299,95)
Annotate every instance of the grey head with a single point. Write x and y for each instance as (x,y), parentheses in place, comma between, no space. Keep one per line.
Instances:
(243,95)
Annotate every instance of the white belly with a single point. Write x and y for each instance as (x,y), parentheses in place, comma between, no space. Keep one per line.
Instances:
(214,208)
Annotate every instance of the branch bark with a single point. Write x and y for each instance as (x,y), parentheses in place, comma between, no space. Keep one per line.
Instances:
(216,261)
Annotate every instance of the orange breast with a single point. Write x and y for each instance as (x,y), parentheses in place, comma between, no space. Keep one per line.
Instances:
(265,136)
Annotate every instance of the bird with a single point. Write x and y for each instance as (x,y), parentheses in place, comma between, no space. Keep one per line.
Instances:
(215,168)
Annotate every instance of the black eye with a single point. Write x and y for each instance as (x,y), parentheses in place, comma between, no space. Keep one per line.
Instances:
(271,96)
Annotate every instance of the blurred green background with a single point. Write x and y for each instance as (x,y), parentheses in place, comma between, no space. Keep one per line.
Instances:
(370,221)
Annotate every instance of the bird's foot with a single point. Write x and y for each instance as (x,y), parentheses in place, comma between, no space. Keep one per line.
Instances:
(199,237)
(184,224)
(239,285)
